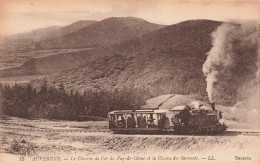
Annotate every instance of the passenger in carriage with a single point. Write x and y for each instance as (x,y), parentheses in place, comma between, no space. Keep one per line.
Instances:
(164,122)
(131,122)
(141,121)
(121,123)
(160,123)
(151,122)
(112,122)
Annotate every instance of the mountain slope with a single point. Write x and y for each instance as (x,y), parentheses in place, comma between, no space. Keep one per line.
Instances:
(74,27)
(51,64)
(108,31)
(164,61)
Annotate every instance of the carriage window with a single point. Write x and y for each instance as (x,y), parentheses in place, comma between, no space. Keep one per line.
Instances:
(118,116)
(152,121)
(112,117)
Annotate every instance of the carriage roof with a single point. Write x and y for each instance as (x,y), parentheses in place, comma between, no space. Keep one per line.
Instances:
(149,107)
(138,111)
(178,108)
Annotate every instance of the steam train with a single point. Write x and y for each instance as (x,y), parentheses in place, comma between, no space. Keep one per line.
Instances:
(178,120)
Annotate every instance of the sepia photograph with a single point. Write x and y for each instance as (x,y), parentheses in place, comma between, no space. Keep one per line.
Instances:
(129,81)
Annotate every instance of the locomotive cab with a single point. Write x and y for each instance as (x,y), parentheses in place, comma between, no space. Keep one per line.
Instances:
(187,120)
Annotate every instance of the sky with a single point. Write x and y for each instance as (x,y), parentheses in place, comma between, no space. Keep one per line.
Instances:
(19,16)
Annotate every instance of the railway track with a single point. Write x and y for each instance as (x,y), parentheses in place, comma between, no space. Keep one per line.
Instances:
(71,130)
(242,132)
(52,130)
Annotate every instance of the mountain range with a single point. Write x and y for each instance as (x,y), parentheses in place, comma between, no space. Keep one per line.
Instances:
(130,53)
(100,37)
(105,32)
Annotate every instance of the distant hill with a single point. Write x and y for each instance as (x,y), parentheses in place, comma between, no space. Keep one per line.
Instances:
(49,32)
(74,27)
(166,60)
(34,35)
(52,64)
(105,32)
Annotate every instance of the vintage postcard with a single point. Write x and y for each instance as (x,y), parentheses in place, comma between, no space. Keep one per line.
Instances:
(87,81)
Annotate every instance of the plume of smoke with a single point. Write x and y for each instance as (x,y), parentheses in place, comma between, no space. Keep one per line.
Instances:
(220,57)
(233,47)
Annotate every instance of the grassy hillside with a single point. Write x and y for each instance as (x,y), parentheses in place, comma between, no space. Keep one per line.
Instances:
(51,64)
(108,31)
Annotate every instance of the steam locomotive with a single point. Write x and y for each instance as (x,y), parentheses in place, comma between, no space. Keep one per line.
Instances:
(178,120)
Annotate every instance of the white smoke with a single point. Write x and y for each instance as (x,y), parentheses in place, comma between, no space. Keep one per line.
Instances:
(231,44)
(220,57)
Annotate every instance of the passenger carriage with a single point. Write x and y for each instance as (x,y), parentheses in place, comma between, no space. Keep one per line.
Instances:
(138,121)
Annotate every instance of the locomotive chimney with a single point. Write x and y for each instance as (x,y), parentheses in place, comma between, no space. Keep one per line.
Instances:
(213,106)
